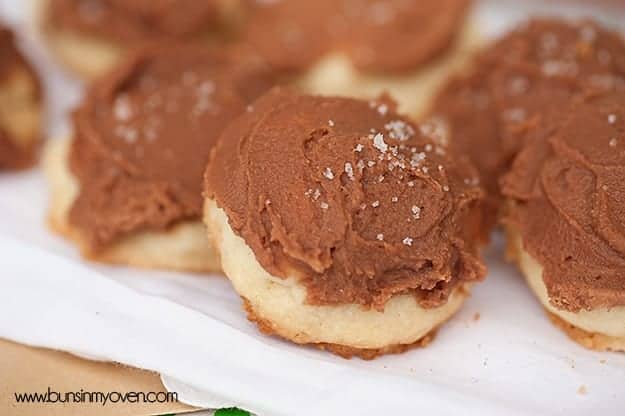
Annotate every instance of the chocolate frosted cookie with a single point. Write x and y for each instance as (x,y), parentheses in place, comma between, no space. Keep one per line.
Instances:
(363,47)
(341,224)
(566,220)
(90,36)
(521,88)
(128,186)
(20,107)
(541,108)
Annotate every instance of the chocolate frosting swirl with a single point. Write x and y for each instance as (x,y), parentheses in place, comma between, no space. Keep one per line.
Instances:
(144,133)
(569,204)
(350,198)
(521,87)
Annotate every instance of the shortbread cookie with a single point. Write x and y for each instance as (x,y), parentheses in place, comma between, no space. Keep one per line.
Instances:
(362,48)
(20,107)
(341,225)
(91,36)
(127,189)
(526,79)
(566,220)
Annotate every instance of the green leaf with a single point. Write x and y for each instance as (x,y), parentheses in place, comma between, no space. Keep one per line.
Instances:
(232,412)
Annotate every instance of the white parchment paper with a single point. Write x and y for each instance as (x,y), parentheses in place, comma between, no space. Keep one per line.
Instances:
(191,329)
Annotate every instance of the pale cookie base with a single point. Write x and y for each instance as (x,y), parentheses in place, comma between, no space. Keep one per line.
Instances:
(414,92)
(88,57)
(278,305)
(599,329)
(85,56)
(21,112)
(183,247)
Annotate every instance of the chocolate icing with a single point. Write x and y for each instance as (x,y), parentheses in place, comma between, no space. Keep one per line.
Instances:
(12,154)
(133,21)
(568,196)
(378,36)
(350,198)
(525,80)
(143,135)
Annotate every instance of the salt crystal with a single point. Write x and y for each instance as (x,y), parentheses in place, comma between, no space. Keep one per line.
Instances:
(399,130)
(349,170)
(416,212)
(378,143)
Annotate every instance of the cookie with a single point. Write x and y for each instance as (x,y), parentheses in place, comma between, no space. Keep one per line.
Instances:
(341,225)
(363,48)
(520,87)
(127,186)
(564,217)
(91,36)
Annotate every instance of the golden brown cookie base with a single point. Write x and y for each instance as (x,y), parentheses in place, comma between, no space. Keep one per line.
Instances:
(592,341)
(185,245)
(267,328)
